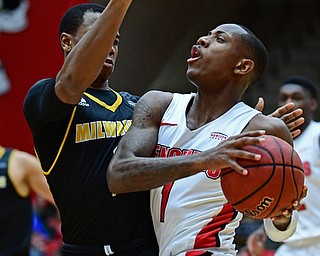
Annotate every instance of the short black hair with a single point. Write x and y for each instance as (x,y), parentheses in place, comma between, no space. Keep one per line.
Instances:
(258,50)
(304,82)
(73,18)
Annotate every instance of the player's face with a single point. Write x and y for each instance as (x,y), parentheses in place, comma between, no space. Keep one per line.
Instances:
(299,96)
(215,55)
(109,64)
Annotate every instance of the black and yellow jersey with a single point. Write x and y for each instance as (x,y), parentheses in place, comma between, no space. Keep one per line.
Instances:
(15,212)
(75,144)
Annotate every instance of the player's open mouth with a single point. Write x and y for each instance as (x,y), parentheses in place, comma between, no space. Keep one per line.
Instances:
(195,53)
(108,62)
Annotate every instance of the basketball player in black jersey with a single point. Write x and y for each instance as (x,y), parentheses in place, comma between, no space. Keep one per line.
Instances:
(20,175)
(77,121)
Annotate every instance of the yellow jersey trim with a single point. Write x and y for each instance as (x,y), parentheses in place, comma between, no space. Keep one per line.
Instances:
(113,107)
(2,151)
(61,146)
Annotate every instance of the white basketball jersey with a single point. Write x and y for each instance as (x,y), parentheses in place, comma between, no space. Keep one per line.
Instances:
(191,215)
(307,146)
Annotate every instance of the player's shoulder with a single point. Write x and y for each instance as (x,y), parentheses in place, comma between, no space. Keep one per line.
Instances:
(157,99)
(152,105)
(158,93)
(38,86)
(36,92)
(261,121)
(23,164)
(23,157)
(129,97)
(272,125)
(44,82)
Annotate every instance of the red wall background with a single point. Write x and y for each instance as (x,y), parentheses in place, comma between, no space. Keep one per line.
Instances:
(28,56)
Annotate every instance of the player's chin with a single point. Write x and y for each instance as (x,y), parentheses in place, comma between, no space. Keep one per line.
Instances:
(193,75)
(190,73)
(101,78)
(105,72)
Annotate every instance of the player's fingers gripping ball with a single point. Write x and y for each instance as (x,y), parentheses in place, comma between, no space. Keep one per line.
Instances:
(272,183)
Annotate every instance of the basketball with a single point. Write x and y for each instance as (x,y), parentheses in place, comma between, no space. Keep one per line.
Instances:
(272,183)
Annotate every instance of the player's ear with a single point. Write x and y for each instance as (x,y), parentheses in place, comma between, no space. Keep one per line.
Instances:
(244,66)
(66,42)
(314,104)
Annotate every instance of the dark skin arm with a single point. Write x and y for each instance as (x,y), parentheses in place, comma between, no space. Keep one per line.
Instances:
(84,61)
(133,169)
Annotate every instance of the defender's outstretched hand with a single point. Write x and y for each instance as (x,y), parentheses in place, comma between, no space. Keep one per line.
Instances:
(290,116)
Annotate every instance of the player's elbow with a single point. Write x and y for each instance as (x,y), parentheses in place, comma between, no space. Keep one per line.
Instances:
(111,181)
(113,186)
(114,181)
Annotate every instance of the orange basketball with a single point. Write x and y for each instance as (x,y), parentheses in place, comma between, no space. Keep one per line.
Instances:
(272,183)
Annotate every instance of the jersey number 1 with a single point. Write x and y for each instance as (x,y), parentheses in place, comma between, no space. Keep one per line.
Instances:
(164,200)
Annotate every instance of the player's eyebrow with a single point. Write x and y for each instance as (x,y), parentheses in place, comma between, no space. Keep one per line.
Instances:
(219,32)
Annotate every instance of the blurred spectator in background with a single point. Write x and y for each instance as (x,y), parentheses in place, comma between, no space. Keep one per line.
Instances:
(46,237)
(4,80)
(13,15)
(13,19)
(20,175)
(306,240)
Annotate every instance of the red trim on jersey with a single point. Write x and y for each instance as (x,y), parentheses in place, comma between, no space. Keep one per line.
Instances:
(208,236)
(164,200)
(169,124)
(302,207)
(197,253)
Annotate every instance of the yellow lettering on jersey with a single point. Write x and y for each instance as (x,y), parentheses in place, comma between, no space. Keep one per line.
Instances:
(82,132)
(100,133)
(126,125)
(120,130)
(93,130)
(110,128)
(101,129)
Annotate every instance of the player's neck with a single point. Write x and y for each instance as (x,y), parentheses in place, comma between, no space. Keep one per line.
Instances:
(201,112)
(100,85)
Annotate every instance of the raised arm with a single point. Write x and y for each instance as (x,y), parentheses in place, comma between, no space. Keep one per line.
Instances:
(83,63)
(134,169)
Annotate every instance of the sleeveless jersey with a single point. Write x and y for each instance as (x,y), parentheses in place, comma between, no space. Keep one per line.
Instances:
(75,145)
(191,215)
(15,213)
(307,146)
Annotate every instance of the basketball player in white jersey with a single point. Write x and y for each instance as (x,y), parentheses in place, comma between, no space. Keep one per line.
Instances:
(306,240)
(178,144)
